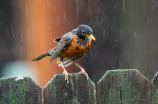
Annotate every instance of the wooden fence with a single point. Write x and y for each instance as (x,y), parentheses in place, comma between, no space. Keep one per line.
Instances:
(124,86)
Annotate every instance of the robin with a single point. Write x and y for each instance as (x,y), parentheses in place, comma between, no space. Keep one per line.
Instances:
(70,48)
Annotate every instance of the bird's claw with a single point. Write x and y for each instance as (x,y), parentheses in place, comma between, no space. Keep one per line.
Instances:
(66,75)
(84,72)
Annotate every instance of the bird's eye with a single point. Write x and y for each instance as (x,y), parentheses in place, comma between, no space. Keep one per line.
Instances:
(83,32)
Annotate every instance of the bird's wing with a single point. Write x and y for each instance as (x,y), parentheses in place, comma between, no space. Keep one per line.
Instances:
(64,41)
(57,40)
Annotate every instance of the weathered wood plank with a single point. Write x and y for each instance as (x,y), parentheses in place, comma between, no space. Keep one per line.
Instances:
(77,91)
(154,89)
(19,91)
(123,87)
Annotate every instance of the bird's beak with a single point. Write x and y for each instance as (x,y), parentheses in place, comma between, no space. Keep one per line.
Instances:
(91,37)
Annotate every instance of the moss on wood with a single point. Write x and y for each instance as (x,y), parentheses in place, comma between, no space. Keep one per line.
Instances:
(19,91)
(154,89)
(123,87)
(77,91)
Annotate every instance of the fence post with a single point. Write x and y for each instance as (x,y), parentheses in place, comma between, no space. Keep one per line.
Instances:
(19,91)
(125,86)
(77,91)
(154,89)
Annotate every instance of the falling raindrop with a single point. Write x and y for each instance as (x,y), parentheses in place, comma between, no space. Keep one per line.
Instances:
(26,10)
(37,2)
(21,37)
(49,27)
(104,16)
(21,8)
(12,30)
(64,15)
(148,20)
(54,9)
(5,49)
(156,4)
(89,11)
(13,49)
(93,24)
(120,64)
(76,12)
(103,33)
(153,7)
(145,66)
(115,6)
(89,23)
(123,5)
(48,3)
(91,55)
(102,61)
(107,34)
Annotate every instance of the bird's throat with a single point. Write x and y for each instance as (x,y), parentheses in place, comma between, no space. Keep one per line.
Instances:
(82,42)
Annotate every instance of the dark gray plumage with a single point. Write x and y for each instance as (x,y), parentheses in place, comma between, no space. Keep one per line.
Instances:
(63,42)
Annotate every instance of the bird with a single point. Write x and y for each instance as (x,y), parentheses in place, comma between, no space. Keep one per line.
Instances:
(71,46)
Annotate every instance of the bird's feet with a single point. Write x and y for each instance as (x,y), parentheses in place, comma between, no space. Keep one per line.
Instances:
(84,72)
(66,75)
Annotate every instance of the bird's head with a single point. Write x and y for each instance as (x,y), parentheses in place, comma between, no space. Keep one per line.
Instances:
(84,31)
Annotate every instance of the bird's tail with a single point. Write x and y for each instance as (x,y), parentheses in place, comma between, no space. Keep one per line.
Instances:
(41,56)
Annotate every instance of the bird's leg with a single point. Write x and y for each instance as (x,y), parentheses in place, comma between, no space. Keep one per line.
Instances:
(65,72)
(82,70)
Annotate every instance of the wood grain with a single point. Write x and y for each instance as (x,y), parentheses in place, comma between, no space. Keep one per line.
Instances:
(126,86)
(77,91)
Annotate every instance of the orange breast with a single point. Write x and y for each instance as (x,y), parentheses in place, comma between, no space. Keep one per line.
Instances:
(74,51)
